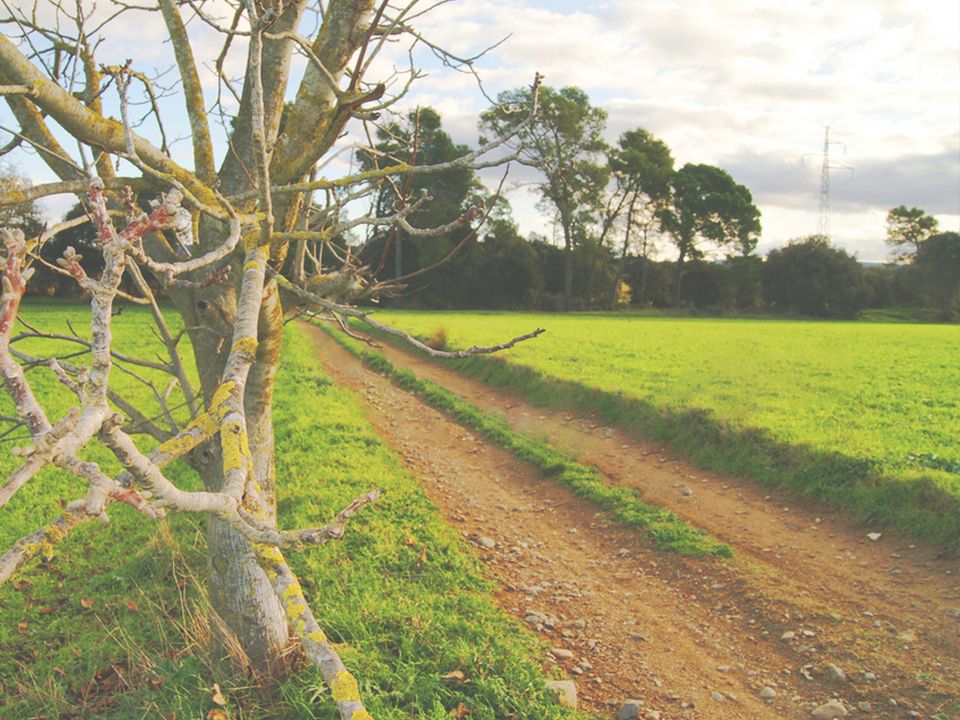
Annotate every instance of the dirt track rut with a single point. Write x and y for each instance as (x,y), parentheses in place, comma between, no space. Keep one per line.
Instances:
(806,590)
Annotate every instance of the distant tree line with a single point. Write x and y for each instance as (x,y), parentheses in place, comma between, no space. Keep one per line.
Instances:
(614,210)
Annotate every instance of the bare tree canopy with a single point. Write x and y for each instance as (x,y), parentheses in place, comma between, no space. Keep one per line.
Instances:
(251,219)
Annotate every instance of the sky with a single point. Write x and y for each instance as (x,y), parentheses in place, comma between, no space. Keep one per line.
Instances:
(751,87)
(747,86)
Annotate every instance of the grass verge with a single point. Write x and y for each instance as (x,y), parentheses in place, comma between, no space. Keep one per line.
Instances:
(666,529)
(918,503)
(114,624)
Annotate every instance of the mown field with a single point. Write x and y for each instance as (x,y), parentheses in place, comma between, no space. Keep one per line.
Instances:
(114,624)
(840,410)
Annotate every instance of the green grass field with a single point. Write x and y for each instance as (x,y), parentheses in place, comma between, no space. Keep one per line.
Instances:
(114,625)
(835,409)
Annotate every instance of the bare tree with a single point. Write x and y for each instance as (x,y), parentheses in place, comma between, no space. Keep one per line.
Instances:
(229,239)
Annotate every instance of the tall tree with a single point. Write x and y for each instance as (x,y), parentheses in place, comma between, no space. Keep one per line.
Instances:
(642,167)
(23,215)
(218,238)
(419,139)
(938,264)
(706,205)
(565,143)
(907,230)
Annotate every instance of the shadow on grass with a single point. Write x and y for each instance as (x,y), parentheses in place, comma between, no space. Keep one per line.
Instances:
(923,504)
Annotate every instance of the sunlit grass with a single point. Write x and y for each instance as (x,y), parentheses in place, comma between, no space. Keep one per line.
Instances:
(115,625)
(830,408)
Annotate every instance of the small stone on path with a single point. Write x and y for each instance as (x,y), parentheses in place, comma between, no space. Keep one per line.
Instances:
(835,674)
(630,710)
(486,542)
(768,693)
(717,696)
(564,692)
(830,711)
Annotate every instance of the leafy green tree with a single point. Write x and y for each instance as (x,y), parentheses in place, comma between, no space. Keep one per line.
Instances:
(642,167)
(907,229)
(938,263)
(708,206)
(24,215)
(505,269)
(419,139)
(565,143)
(811,277)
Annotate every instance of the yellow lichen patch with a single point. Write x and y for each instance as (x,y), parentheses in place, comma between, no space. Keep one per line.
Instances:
(270,553)
(344,688)
(292,590)
(318,637)
(246,345)
(220,397)
(251,265)
(195,432)
(295,610)
(204,422)
(233,441)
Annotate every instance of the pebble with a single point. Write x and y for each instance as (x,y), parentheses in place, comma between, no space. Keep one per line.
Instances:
(716,696)
(874,536)
(788,635)
(723,668)
(630,710)
(486,542)
(864,707)
(768,693)
(564,692)
(561,653)
(829,711)
(869,676)
(835,674)
(686,492)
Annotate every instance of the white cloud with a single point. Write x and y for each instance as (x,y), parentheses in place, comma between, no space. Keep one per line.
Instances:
(745,84)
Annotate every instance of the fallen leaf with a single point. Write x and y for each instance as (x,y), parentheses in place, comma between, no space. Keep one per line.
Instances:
(460,711)
(454,676)
(86,603)
(46,610)
(217,714)
(21,584)
(410,541)
(423,555)
(218,697)
(23,625)
(131,605)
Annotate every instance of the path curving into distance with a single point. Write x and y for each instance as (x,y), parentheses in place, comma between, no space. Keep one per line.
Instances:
(806,590)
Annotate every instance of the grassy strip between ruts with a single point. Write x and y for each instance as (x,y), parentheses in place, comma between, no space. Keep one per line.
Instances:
(666,529)
(114,623)
(860,416)
(924,505)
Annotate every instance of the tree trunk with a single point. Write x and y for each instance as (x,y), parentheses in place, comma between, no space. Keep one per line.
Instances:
(677,277)
(567,264)
(644,269)
(239,591)
(623,258)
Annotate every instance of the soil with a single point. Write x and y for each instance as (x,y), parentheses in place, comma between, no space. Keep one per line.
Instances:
(806,594)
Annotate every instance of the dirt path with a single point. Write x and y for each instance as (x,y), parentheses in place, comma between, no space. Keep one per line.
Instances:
(692,639)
